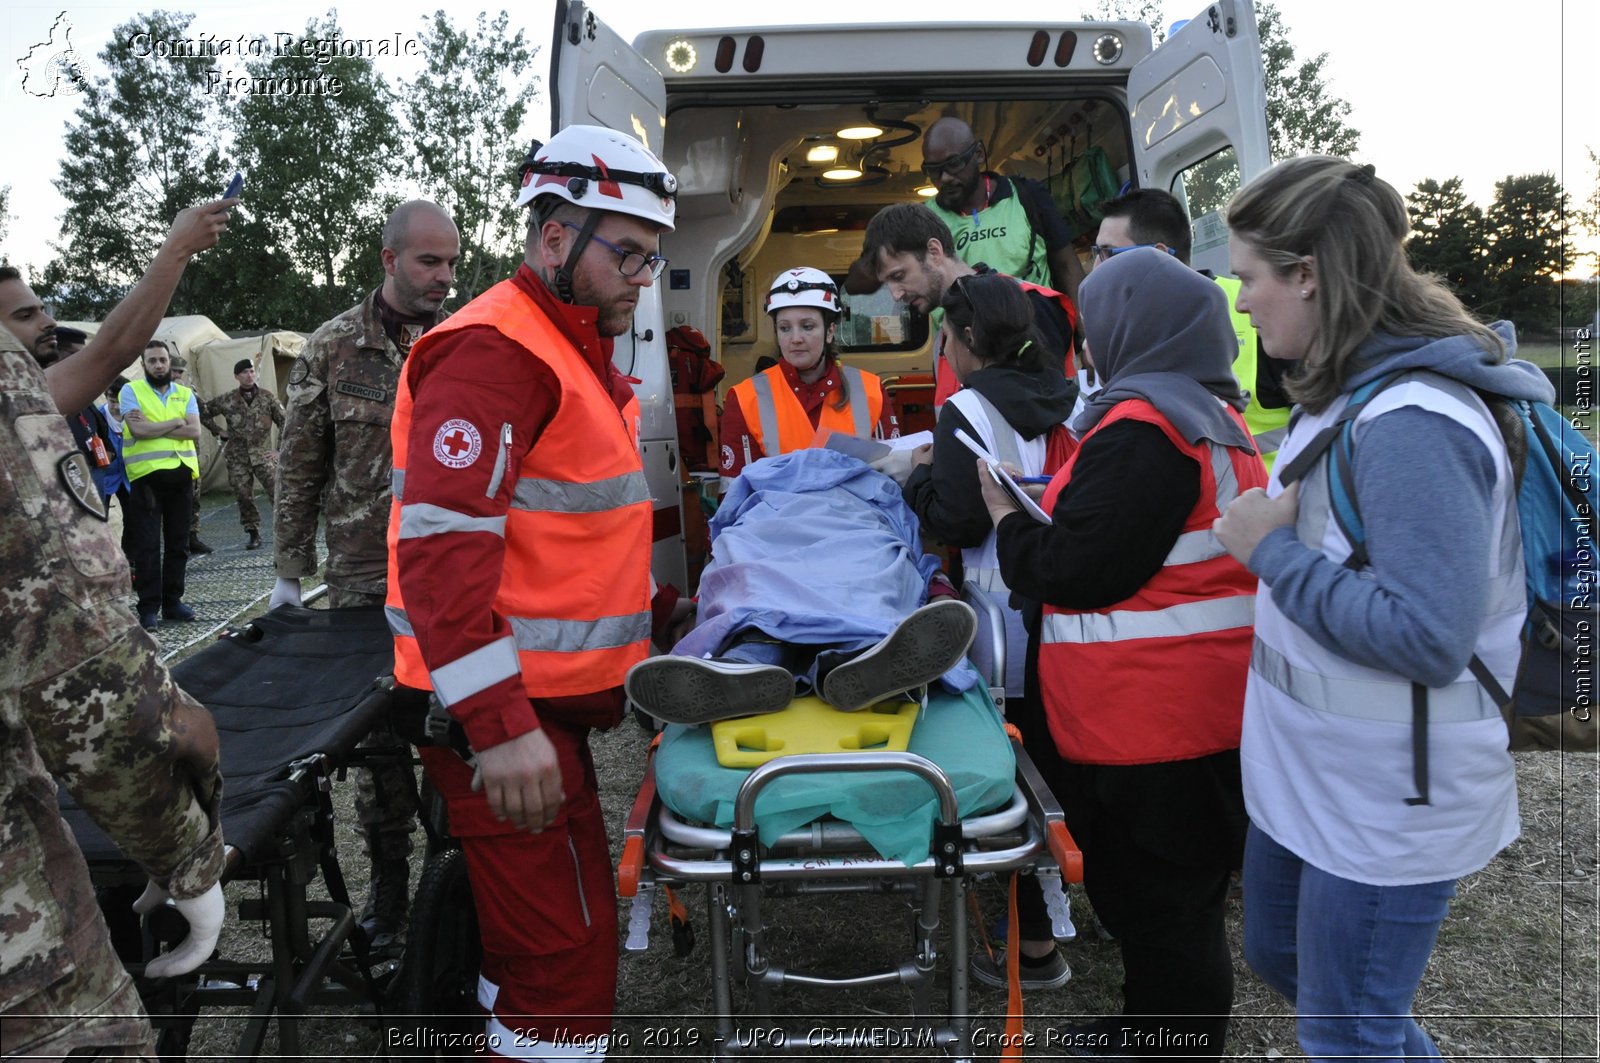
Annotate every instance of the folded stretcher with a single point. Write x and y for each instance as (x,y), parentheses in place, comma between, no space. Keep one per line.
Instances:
(962,800)
(293,693)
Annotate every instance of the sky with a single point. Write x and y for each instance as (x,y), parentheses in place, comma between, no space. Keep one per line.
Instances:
(1437,88)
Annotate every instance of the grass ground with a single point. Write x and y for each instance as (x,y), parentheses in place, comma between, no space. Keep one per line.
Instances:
(1514,976)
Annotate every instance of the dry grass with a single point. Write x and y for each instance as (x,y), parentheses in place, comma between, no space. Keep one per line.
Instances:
(1514,976)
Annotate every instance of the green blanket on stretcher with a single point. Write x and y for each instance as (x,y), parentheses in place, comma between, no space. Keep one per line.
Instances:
(894,811)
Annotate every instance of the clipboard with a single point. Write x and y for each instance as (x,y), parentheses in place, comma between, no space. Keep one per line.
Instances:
(1003,478)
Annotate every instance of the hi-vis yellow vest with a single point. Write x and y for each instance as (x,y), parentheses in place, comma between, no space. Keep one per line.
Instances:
(143,456)
(1268,426)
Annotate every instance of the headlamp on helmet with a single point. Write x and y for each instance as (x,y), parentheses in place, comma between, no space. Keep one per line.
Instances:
(803,286)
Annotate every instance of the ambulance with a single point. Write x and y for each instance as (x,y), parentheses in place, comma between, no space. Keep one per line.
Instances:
(786,140)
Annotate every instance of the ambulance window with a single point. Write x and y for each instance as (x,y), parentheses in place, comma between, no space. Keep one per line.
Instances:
(1204,189)
(877,323)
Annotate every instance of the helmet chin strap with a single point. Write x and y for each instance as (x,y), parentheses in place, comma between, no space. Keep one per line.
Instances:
(563,276)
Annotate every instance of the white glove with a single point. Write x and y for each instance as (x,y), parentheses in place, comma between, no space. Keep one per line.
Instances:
(284,592)
(204,914)
(897,465)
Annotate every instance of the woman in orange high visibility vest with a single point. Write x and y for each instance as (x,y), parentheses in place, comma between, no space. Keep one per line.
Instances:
(1143,645)
(779,410)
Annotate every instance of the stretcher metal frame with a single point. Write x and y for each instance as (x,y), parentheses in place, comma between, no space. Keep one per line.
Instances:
(828,856)
(306,968)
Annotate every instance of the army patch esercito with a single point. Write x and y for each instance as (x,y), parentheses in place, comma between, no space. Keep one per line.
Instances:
(75,476)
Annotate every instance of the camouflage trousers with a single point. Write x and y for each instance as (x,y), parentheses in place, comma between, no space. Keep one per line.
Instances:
(244,472)
(386,793)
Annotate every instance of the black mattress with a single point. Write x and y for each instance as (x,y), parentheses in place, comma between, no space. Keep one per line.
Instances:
(295,682)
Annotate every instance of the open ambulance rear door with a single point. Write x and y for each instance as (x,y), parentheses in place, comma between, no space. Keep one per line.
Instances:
(1199,119)
(596,78)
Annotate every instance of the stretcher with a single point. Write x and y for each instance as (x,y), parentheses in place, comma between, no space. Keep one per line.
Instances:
(292,693)
(962,800)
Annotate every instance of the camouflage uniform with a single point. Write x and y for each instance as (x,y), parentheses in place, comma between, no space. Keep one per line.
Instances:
(335,460)
(83,695)
(248,451)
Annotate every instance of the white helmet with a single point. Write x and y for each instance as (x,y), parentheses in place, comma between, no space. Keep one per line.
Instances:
(601,169)
(803,286)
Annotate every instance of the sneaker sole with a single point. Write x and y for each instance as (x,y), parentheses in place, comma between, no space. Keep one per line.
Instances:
(925,645)
(689,691)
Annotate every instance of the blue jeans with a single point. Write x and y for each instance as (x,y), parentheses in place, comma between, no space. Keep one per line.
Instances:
(1348,955)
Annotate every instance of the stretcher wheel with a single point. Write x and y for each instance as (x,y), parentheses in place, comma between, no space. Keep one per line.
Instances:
(437,988)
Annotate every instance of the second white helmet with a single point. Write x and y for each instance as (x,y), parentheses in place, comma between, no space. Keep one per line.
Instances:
(803,286)
(601,169)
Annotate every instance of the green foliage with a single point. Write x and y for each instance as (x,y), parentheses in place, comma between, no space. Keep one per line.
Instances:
(1527,250)
(318,163)
(1303,117)
(1448,237)
(466,113)
(137,152)
(1585,216)
(5,212)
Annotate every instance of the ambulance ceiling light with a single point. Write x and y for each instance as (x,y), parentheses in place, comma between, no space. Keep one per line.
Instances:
(927,191)
(681,56)
(859,132)
(841,173)
(822,153)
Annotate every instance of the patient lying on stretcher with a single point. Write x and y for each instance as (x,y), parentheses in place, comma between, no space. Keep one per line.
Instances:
(817,585)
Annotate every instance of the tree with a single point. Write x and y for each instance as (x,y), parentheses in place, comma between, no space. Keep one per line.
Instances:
(5,212)
(1527,249)
(466,112)
(1448,237)
(1586,216)
(139,150)
(317,136)
(1303,117)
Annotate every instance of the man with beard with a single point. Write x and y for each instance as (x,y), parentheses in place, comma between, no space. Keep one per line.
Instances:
(334,462)
(1009,223)
(519,557)
(247,443)
(161,422)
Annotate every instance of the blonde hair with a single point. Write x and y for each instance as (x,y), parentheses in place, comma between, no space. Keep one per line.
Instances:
(1352,225)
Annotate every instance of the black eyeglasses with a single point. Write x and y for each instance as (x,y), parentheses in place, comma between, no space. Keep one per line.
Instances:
(953,164)
(629,263)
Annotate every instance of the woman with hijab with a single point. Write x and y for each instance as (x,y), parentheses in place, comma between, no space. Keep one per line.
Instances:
(1375,764)
(1143,645)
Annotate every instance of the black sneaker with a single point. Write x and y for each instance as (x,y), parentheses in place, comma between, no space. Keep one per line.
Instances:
(149,621)
(178,612)
(920,649)
(254,540)
(693,690)
(1051,975)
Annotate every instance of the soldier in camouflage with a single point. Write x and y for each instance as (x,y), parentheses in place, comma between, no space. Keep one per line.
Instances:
(335,462)
(197,545)
(246,442)
(84,697)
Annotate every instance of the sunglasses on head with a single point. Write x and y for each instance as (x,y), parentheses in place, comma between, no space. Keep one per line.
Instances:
(953,164)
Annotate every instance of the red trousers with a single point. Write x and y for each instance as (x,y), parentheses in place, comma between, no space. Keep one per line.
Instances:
(547,907)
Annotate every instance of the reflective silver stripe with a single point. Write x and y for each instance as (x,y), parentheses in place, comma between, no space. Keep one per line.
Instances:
(858,401)
(766,416)
(1005,442)
(145,456)
(1222,472)
(476,671)
(421,519)
(563,496)
(397,483)
(543,634)
(1460,702)
(399,622)
(1271,441)
(1175,621)
(547,635)
(499,475)
(1193,547)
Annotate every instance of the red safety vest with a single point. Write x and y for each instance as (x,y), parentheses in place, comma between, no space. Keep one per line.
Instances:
(769,406)
(576,581)
(1159,676)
